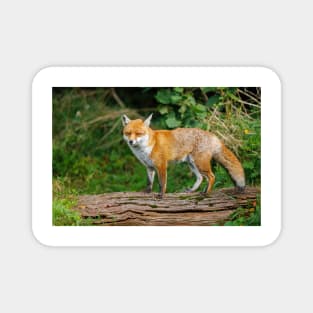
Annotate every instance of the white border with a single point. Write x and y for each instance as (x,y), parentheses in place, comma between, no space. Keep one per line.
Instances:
(50,235)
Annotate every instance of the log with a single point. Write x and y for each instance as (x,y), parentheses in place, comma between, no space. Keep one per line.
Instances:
(138,208)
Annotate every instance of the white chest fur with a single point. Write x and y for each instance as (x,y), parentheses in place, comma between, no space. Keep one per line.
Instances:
(141,150)
(143,155)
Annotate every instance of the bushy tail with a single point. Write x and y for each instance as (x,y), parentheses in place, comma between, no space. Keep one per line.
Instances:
(232,164)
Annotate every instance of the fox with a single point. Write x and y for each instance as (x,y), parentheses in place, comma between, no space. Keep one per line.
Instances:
(156,148)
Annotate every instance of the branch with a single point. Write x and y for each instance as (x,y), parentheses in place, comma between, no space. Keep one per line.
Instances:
(117,98)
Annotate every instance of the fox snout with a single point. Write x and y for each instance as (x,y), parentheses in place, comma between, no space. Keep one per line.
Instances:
(131,138)
(135,141)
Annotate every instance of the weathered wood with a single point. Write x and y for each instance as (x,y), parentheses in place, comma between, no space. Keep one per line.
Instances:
(138,208)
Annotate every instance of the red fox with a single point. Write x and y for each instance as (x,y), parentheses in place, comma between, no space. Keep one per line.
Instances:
(155,148)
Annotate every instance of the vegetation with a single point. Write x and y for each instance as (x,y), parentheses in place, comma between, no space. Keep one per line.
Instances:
(90,156)
(63,200)
(251,217)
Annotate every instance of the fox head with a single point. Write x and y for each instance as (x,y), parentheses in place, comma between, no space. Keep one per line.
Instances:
(136,132)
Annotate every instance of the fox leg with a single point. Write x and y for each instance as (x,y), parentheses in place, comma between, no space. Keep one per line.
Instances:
(150,175)
(162,175)
(210,178)
(203,163)
(195,170)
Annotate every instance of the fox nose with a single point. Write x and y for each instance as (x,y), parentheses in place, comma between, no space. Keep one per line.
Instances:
(131,141)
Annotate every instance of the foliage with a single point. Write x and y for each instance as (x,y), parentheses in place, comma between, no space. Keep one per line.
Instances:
(62,213)
(63,201)
(246,217)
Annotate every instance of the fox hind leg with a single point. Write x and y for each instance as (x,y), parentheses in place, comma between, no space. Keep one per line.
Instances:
(198,175)
(203,163)
(210,178)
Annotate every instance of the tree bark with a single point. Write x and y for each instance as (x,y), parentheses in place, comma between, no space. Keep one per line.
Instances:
(138,208)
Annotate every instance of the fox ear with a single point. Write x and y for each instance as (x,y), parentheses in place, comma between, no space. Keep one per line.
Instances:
(148,120)
(125,120)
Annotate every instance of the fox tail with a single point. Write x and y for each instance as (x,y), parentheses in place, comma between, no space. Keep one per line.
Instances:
(226,158)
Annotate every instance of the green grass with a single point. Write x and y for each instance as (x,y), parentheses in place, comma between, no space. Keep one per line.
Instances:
(64,199)
(62,213)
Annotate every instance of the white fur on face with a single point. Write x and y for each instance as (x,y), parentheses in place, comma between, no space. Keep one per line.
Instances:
(141,141)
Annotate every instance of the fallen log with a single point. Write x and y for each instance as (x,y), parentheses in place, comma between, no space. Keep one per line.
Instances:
(138,208)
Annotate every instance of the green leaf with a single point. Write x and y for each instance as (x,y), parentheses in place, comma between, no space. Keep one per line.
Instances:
(182,109)
(199,108)
(164,96)
(213,100)
(201,115)
(179,89)
(176,98)
(172,122)
(190,100)
(163,109)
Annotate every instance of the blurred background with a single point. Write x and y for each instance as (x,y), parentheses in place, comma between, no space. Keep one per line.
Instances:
(90,155)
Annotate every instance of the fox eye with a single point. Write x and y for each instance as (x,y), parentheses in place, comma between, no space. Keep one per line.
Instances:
(140,133)
(127,133)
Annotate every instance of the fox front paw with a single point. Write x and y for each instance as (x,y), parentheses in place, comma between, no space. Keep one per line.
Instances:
(147,190)
(159,196)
